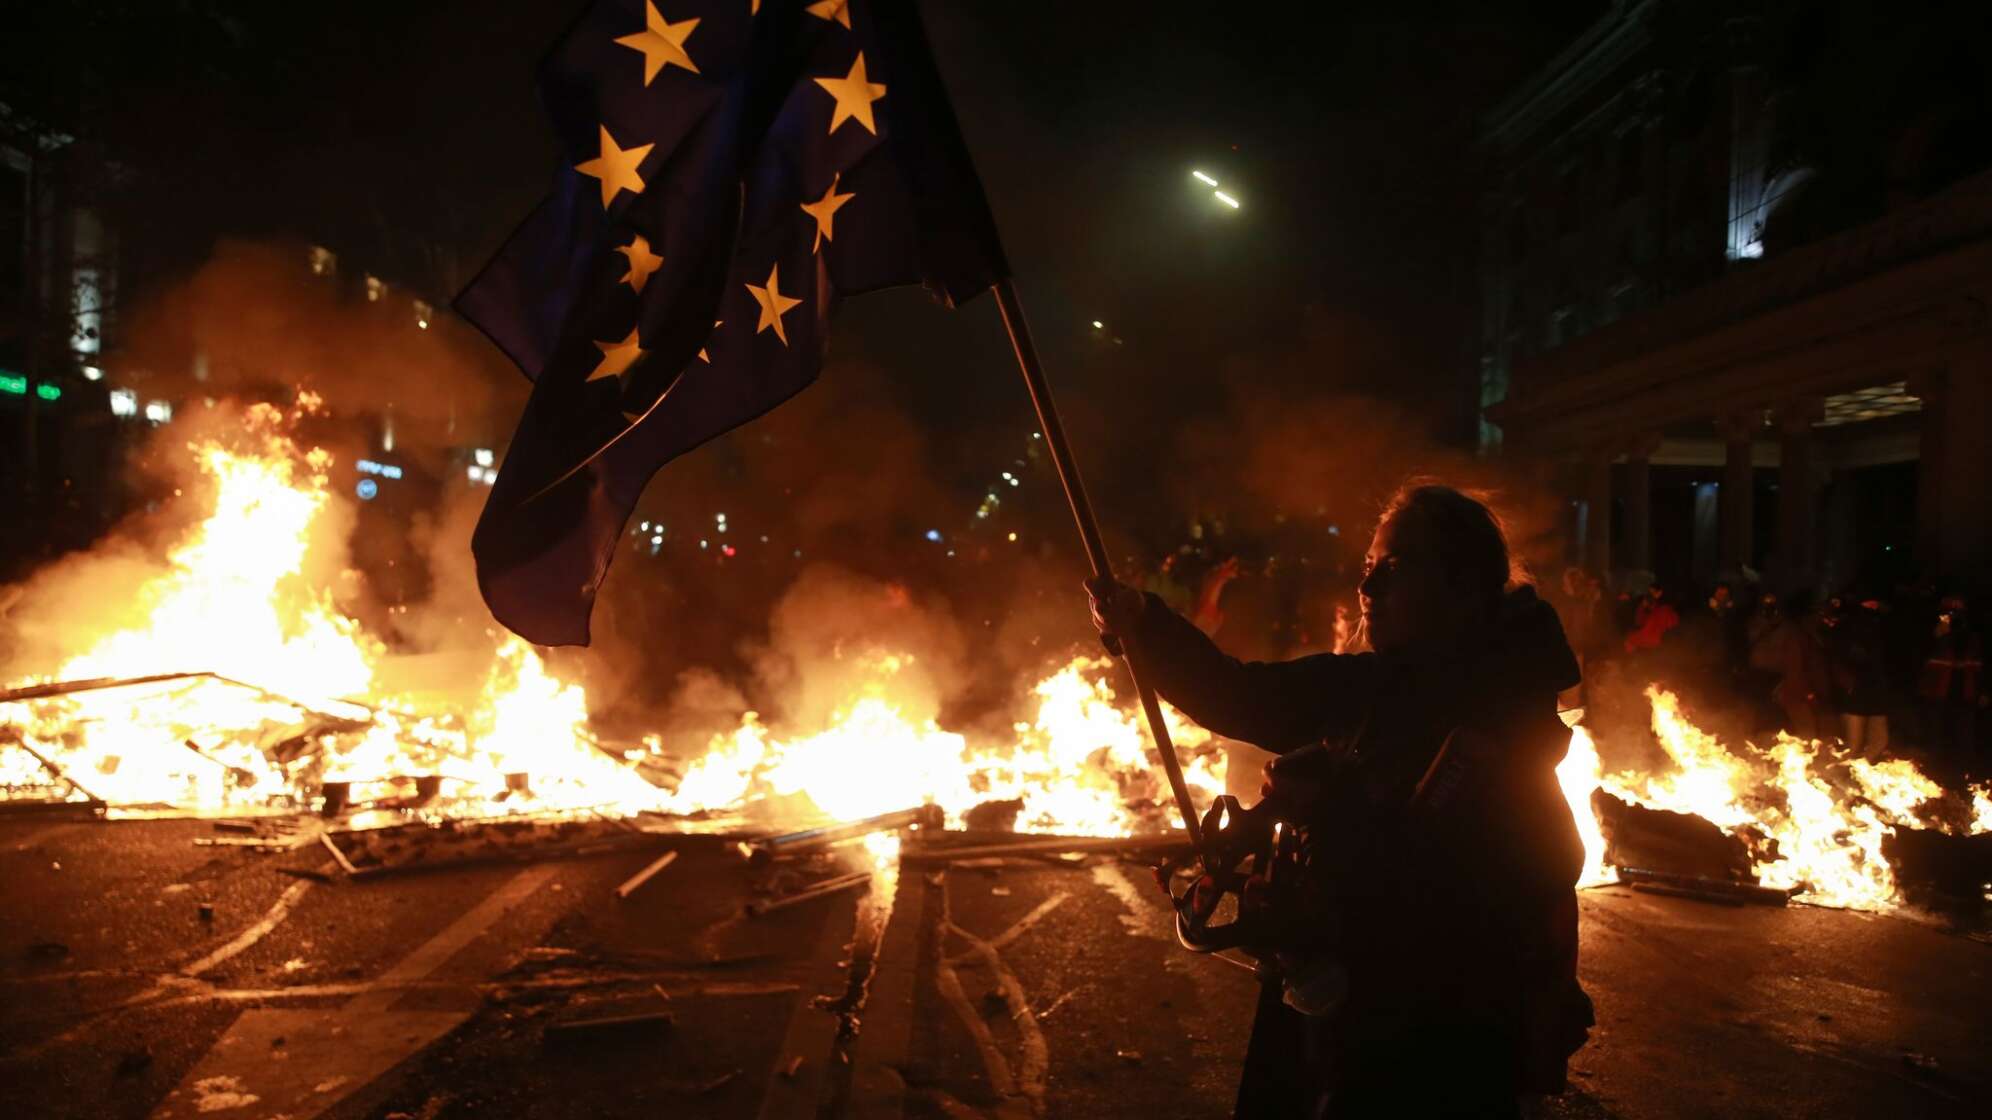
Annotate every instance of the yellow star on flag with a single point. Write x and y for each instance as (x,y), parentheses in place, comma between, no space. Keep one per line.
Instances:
(662,42)
(773,303)
(617,357)
(642,262)
(854,93)
(836,10)
(715,326)
(616,168)
(824,210)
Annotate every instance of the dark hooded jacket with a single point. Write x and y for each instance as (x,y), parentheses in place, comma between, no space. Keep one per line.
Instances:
(1446,846)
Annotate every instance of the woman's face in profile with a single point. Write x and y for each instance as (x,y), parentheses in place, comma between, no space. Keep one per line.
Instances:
(1405,597)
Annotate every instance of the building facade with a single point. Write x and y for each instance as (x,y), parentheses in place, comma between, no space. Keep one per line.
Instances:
(1737,292)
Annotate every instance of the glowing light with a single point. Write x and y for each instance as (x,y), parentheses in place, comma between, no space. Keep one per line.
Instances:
(367,489)
(1097,325)
(158,412)
(124,402)
(1013,536)
(13,384)
(934,535)
(48,392)
(483,457)
(1226,199)
(93,373)
(1203,178)
(384,470)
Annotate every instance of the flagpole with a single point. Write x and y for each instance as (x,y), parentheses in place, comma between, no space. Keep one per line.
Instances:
(1089,535)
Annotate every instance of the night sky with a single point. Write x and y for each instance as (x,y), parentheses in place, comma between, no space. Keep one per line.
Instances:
(411,137)
(1347,137)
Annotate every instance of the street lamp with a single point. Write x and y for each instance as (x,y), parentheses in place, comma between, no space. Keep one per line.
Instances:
(1228,199)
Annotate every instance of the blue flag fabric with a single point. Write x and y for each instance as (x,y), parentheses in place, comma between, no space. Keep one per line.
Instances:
(732,168)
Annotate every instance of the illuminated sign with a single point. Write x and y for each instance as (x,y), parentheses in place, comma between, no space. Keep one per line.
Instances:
(48,392)
(367,489)
(13,383)
(384,470)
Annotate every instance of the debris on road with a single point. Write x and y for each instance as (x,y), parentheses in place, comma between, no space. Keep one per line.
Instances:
(760,852)
(630,885)
(1724,891)
(607,1028)
(828,887)
(1024,845)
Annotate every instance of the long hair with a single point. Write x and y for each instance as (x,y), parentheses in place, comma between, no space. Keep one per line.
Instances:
(1471,539)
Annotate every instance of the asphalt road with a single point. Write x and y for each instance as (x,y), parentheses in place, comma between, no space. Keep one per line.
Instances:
(1025,989)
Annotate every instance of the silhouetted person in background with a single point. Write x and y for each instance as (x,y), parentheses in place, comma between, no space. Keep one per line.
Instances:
(1951,688)
(1854,645)
(1796,651)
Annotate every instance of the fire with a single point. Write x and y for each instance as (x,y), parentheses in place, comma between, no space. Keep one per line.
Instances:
(1578,774)
(1080,766)
(270,692)
(277,693)
(1813,819)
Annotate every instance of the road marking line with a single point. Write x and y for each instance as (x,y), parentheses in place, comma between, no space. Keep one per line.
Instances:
(993,1062)
(1110,876)
(1023,924)
(433,952)
(331,1053)
(1036,1063)
(254,933)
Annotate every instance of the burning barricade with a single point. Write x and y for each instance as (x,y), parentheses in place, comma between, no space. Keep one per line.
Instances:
(223,680)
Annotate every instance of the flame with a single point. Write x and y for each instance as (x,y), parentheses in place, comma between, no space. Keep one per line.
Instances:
(282,692)
(1814,820)
(1080,766)
(282,663)
(1578,774)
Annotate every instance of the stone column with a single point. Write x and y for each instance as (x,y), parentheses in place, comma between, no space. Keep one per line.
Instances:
(1638,534)
(1798,492)
(1930,474)
(1736,503)
(1597,498)
(1964,514)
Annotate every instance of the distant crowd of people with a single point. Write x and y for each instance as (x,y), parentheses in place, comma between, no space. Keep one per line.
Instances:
(1867,669)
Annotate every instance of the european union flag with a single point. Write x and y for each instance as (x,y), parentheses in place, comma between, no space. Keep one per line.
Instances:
(733,168)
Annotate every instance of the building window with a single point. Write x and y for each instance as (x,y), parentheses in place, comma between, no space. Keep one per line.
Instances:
(1562,327)
(1631,163)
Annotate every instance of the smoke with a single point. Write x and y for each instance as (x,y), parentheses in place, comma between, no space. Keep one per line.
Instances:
(254,321)
(57,611)
(788,556)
